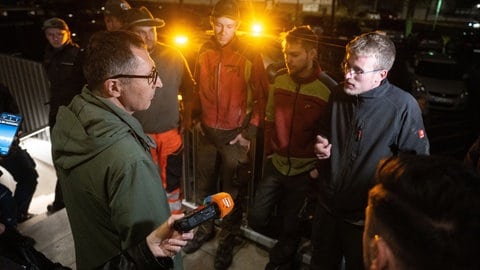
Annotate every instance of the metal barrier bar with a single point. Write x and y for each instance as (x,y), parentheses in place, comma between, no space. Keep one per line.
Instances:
(28,84)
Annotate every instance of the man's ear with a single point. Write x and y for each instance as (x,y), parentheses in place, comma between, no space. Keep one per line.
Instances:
(312,53)
(381,253)
(384,74)
(112,87)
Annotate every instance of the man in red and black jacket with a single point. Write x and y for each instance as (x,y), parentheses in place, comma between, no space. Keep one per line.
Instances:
(297,102)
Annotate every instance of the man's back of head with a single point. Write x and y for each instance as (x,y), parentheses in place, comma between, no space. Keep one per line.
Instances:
(424,213)
(109,53)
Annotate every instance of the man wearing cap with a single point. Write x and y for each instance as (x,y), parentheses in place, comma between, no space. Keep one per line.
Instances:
(228,108)
(59,58)
(161,121)
(115,13)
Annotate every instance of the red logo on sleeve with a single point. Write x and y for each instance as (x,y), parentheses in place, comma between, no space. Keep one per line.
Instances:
(421,133)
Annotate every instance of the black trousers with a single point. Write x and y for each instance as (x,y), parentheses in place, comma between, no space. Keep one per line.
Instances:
(22,168)
(334,239)
(8,207)
(287,194)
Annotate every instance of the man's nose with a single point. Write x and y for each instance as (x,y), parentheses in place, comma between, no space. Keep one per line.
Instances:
(159,83)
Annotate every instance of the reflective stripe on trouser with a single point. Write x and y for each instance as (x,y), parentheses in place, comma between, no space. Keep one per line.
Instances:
(175,201)
(169,147)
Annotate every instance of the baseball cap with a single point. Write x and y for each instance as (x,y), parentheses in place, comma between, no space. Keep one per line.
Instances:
(142,17)
(226,8)
(55,23)
(116,7)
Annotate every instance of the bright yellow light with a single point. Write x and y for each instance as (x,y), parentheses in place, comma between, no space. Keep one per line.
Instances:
(257,29)
(180,40)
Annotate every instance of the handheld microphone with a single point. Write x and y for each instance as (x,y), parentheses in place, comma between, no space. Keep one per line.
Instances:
(215,206)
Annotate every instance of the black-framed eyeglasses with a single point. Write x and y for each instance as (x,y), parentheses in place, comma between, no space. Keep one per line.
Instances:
(356,71)
(151,78)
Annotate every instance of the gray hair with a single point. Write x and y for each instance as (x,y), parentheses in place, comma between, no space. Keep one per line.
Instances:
(376,44)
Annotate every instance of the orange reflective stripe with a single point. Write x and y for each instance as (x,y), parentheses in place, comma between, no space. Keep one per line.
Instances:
(167,142)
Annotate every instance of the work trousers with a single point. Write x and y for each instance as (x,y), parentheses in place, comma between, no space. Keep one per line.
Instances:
(168,155)
(289,194)
(222,167)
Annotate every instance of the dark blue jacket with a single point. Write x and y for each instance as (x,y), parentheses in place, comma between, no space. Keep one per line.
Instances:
(364,129)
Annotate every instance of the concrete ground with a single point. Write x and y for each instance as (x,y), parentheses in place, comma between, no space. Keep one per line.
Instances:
(53,235)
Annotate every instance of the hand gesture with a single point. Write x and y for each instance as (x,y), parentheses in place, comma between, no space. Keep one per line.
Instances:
(322,147)
(198,127)
(242,141)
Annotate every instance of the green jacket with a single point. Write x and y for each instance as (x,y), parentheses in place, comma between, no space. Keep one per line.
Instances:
(112,190)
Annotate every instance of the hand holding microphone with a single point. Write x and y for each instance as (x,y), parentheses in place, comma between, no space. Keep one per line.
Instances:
(172,235)
(165,241)
(215,206)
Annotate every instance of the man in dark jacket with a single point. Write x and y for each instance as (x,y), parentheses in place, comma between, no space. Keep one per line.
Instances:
(59,59)
(370,119)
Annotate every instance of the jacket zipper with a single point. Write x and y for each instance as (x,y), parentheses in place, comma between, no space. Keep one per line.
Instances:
(217,86)
(297,91)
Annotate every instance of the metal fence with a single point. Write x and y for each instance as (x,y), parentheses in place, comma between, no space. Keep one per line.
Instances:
(28,84)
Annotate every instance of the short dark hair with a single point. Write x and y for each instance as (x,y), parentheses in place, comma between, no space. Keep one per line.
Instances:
(427,208)
(303,35)
(109,53)
(226,8)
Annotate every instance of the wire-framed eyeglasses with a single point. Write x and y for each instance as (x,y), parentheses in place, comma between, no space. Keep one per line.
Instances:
(151,78)
(356,71)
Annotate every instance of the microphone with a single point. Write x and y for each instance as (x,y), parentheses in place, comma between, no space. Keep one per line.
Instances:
(215,206)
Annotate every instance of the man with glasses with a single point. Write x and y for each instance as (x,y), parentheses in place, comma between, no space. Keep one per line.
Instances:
(162,121)
(370,119)
(114,197)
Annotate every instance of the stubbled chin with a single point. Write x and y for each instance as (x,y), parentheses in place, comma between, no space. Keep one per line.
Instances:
(349,89)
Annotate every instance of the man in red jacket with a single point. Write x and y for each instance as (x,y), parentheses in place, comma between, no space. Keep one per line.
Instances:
(231,84)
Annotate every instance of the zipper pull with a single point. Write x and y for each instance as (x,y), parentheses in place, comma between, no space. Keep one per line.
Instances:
(359,134)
